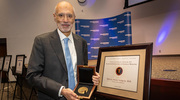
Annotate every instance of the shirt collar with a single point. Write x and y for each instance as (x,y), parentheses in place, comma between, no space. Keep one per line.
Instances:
(62,36)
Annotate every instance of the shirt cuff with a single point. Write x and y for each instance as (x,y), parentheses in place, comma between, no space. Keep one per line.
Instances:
(60,89)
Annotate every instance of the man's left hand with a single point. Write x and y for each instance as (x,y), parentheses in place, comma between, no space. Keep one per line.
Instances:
(96,78)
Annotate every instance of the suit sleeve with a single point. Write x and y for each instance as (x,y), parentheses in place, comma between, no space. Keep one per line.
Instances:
(35,71)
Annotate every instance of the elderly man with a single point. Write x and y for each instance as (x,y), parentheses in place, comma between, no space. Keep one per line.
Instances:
(55,56)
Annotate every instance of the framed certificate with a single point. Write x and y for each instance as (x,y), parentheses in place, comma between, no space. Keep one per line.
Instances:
(85,87)
(7,63)
(19,64)
(1,63)
(125,71)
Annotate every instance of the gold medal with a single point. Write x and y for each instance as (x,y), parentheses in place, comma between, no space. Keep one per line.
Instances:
(83,90)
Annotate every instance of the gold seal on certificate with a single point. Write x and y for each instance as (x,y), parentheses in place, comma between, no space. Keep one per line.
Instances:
(82,90)
(119,71)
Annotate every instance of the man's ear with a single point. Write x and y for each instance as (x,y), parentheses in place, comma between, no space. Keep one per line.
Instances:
(54,17)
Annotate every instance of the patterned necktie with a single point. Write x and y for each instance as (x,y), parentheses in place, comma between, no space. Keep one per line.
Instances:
(71,82)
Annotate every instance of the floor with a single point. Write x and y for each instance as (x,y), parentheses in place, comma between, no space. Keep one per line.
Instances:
(25,94)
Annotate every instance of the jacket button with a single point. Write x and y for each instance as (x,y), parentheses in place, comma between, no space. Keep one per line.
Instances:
(66,79)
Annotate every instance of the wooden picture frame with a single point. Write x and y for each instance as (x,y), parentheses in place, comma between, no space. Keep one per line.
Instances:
(7,63)
(1,63)
(85,87)
(125,71)
(19,64)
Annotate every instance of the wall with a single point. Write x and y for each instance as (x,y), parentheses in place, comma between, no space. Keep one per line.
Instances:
(22,20)
(166,67)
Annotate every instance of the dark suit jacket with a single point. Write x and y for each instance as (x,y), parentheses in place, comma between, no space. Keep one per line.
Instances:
(47,69)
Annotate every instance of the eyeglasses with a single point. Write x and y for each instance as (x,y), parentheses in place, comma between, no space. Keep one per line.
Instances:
(62,16)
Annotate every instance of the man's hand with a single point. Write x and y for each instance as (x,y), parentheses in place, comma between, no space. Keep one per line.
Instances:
(69,94)
(96,78)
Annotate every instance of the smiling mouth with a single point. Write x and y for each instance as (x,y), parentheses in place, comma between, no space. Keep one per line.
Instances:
(65,25)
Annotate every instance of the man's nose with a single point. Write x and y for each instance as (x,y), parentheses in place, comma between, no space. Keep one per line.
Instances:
(65,18)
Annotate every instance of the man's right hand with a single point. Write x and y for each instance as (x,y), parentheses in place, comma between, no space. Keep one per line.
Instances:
(69,94)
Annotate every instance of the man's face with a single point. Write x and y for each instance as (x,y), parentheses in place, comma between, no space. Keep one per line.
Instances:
(64,17)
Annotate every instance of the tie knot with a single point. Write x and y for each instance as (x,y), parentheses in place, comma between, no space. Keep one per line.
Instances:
(66,40)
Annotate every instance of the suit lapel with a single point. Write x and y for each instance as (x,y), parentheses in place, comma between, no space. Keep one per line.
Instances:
(56,45)
(78,48)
